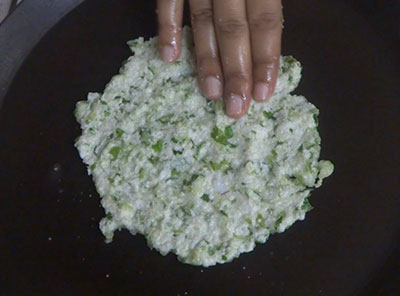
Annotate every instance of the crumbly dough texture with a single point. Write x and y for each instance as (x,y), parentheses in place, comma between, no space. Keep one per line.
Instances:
(170,165)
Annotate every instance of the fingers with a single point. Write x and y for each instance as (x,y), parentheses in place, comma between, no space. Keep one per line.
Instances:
(265,23)
(208,65)
(234,45)
(170,28)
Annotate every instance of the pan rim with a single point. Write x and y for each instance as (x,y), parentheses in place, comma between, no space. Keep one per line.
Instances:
(22,30)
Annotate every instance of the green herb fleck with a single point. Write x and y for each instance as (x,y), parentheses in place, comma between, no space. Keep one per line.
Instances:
(174,140)
(174,174)
(153,159)
(228,132)
(191,180)
(279,221)
(141,173)
(223,213)
(224,258)
(205,197)
(218,136)
(260,221)
(177,151)
(145,136)
(306,206)
(271,159)
(119,132)
(315,116)
(157,147)
(268,115)
(114,151)
(220,166)
(222,137)
(151,70)
(166,118)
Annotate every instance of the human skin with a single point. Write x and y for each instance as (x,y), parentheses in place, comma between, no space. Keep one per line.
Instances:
(237,43)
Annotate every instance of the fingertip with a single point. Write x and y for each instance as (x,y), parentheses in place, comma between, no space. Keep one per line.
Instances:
(236,106)
(265,77)
(168,53)
(211,87)
(261,91)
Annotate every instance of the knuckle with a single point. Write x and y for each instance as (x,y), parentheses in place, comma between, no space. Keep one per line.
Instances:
(202,16)
(238,78)
(265,21)
(233,27)
(268,63)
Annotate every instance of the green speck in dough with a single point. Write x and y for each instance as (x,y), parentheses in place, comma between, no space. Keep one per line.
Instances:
(114,151)
(157,147)
(205,197)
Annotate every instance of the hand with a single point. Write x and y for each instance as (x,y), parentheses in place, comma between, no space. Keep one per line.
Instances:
(238,44)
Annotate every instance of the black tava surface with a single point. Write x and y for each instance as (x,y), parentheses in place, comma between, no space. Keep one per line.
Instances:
(50,243)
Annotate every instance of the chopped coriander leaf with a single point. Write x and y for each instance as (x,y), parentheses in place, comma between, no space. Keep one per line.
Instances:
(145,136)
(175,173)
(217,166)
(177,152)
(222,137)
(260,221)
(141,173)
(223,213)
(219,136)
(205,197)
(269,115)
(151,70)
(166,118)
(306,205)
(279,221)
(119,132)
(157,147)
(315,116)
(191,180)
(271,159)
(228,132)
(153,159)
(232,145)
(114,151)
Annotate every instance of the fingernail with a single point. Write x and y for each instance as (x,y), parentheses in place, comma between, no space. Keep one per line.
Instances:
(234,105)
(167,53)
(212,87)
(261,91)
